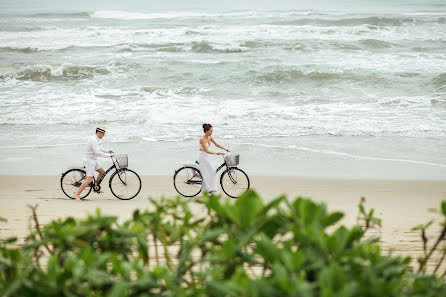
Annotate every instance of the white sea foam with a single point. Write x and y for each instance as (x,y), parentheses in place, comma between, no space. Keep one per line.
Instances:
(127,15)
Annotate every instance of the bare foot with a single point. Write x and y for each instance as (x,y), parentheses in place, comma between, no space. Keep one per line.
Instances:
(77,197)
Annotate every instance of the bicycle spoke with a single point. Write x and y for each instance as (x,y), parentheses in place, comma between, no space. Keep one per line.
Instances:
(234,182)
(188,181)
(71,182)
(125,184)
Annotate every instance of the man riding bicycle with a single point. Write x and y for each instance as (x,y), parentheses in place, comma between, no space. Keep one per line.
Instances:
(93,151)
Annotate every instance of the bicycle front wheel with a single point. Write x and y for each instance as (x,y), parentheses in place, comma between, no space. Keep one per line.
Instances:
(234,182)
(188,181)
(125,184)
(70,182)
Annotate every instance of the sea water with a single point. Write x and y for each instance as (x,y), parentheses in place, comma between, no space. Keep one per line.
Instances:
(356,90)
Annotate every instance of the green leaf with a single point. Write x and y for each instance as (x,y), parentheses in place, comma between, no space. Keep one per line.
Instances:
(246,208)
(119,289)
(267,249)
(332,219)
(422,226)
(362,209)
(52,267)
(443,207)
(212,234)
(228,249)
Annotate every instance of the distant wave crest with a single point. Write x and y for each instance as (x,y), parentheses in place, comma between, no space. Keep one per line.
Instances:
(61,15)
(278,76)
(206,47)
(17,49)
(128,15)
(194,46)
(375,43)
(62,72)
(358,21)
(440,80)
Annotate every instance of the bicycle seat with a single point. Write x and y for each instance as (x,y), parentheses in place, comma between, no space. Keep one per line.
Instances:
(195,165)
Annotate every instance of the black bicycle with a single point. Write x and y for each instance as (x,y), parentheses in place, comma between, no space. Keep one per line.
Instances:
(188,182)
(124,183)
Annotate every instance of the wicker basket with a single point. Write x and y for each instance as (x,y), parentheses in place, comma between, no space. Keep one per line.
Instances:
(122,160)
(232,160)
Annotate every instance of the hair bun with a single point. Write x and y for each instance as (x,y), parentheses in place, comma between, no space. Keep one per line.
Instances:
(206,127)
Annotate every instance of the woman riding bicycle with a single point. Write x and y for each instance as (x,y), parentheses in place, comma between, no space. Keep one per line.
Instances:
(208,173)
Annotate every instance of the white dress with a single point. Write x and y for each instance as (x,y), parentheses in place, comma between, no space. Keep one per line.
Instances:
(208,172)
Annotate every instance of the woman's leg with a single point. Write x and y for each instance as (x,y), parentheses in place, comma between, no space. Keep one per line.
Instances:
(209,175)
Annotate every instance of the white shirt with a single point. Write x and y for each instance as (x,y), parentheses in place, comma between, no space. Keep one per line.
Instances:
(93,151)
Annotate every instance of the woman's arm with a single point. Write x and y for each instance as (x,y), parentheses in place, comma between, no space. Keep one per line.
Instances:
(205,148)
(217,145)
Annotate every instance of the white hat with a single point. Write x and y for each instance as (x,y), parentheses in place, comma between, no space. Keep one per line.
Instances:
(100,128)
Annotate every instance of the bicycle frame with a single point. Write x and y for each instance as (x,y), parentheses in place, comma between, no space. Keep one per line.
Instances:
(103,176)
(190,181)
(114,166)
(220,167)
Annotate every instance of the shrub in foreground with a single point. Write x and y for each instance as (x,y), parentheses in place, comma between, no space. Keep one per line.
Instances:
(233,248)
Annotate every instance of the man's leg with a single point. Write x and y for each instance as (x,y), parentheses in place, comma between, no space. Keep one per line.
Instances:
(89,170)
(101,173)
(86,182)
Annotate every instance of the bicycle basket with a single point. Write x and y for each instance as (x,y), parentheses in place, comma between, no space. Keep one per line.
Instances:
(122,161)
(232,160)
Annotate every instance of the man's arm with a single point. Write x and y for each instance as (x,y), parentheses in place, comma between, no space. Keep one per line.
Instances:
(98,151)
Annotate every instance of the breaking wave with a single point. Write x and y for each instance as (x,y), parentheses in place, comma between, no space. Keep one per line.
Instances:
(278,76)
(206,47)
(62,72)
(17,49)
(372,21)
(440,80)
(56,15)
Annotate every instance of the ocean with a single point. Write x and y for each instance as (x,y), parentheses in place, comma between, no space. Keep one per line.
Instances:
(313,92)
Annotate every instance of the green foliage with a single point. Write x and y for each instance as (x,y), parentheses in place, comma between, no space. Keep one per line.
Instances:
(232,248)
(438,247)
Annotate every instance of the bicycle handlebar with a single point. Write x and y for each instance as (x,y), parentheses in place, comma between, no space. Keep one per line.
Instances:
(228,152)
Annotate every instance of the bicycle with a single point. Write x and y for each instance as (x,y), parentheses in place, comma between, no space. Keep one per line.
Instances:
(188,182)
(124,183)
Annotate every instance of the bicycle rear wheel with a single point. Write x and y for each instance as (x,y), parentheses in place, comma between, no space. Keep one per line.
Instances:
(188,181)
(125,184)
(234,182)
(71,180)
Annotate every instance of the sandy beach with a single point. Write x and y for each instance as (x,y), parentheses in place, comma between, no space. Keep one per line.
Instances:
(400,204)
